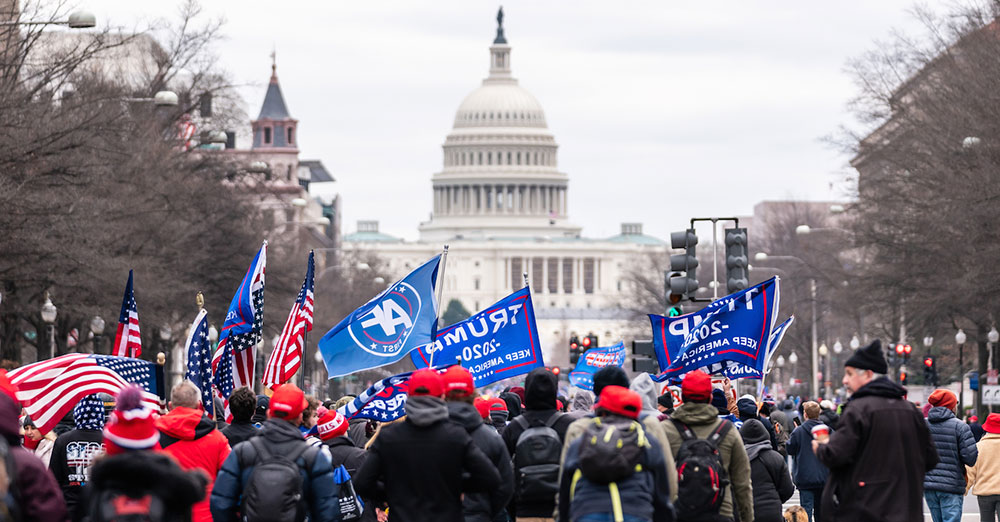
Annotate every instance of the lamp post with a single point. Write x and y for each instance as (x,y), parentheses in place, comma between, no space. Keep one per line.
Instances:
(824,352)
(794,359)
(781,364)
(97,328)
(76,20)
(49,316)
(165,336)
(960,339)
(318,357)
(837,349)
(855,342)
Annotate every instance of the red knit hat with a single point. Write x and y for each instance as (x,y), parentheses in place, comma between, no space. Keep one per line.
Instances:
(425,382)
(8,387)
(622,401)
(287,402)
(992,424)
(941,397)
(696,386)
(458,382)
(132,426)
(331,424)
(482,406)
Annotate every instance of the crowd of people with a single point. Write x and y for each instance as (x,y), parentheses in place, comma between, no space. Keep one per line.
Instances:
(623,453)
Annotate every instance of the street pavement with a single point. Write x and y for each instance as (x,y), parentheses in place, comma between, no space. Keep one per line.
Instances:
(970,509)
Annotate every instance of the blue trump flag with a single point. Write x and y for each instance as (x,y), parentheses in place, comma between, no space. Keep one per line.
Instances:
(383,401)
(742,371)
(498,342)
(594,359)
(732,330)
(383,331)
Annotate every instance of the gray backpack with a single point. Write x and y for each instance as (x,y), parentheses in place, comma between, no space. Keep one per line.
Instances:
(536,461)
(274,491)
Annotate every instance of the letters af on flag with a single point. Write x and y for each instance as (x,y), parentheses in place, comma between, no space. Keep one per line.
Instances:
(233,360)
(128,342)
(287,354)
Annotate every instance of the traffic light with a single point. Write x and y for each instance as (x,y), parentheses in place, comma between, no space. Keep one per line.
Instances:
(674,306)
(903,350)
(643,357)
(587,343)
(574,349)
(930,371)
(684,286)
(902,376)
(737,262)
(590,341)
(555,370)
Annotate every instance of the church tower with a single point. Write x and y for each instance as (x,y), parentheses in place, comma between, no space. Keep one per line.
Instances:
(275,132)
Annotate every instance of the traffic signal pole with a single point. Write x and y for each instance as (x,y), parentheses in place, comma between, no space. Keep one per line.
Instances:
(715,251)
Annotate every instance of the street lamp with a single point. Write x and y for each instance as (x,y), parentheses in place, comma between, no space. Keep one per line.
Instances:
(160,99)
(49,316)
(794,359)
(824,352)
(960,339)
(76,20)
(837,347)
(97,328)
(928,341)
(855,342)
(165,335)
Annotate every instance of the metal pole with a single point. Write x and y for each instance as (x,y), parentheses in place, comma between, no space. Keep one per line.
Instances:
(815,348)
(961,381)
(52,341)
(715,259)
(440,290)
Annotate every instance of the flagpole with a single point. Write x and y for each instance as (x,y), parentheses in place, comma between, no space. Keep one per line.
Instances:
(440,290)
(525,275)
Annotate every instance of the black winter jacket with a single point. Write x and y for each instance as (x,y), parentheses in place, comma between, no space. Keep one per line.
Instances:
(418,466)
(483,507)
(877,458)
(772,485)
(140,473)
(956,448)
(238,432)
(830,418)
(807,471)
(343,452)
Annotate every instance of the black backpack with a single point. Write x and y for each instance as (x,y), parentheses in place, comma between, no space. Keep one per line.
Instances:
(610,449)
(536,461)
(701,474)
(273,491)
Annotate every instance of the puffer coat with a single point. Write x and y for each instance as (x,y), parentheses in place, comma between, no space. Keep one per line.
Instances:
(956,448)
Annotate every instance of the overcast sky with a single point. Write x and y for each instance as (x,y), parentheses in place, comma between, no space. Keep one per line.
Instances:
(725,102)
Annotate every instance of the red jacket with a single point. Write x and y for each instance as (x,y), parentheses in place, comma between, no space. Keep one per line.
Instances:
(191,438)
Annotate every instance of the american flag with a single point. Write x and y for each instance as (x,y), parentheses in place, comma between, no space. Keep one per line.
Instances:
(128,343)
(287,355)
(199,360)
(233,361)
(49,389)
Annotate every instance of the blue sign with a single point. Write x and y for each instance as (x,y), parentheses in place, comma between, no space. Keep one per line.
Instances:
(594,359)
(383,331)
(499,342)
(733,330)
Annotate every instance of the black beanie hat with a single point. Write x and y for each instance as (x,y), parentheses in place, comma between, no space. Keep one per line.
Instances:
(666,400)
(609,376)
(869,358)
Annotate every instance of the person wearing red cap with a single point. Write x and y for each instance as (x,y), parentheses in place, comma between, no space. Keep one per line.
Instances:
(191,438)
(459,394)
(642,495)
(417,466)
(698,414)
(984,477)
(134,470)
(944,486)
(498,414)
(280,441)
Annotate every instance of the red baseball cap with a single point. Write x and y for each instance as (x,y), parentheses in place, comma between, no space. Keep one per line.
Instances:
(482,406)
(425,382)
(697,385)
(287,402)
(620,400)
(992,424)
(458,380)
(498,404)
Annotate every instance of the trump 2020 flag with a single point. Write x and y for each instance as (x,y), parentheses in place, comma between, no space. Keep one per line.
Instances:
(199,360)
(383,331)
(594,359)
(732,330)
(233,360)
(498,342)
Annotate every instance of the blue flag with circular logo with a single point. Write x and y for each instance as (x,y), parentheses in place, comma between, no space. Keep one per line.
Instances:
(384,330)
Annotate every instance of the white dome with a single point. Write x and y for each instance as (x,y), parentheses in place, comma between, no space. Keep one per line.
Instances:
(500,104)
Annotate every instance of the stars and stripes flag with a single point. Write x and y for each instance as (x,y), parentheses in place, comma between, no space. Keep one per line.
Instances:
(233,360)
(49,389)
(128,343)
(287,354)
(199,360)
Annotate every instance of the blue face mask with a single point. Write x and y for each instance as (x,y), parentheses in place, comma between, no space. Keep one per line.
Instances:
(88,414)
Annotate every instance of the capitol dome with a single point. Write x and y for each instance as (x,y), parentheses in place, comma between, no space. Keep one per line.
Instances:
(500,176)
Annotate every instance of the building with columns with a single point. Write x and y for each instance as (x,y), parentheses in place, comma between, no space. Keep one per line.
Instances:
(501,204)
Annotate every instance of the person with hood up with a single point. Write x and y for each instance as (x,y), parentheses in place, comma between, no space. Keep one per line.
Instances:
(788,408)
(581,403)
(40,445)
(984,477)
(280,435)
(514,404)
(74,450)
(459,392)
(883,445)
(133,477)
(944,486)
(808,473)
(242,404)
(417,466)
(747,406)
(539,411)
(828,414)
(772,485)
(34,488)
(703,419)
(191,438)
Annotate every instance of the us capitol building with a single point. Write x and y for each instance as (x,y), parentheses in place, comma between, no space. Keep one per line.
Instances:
(500,202)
